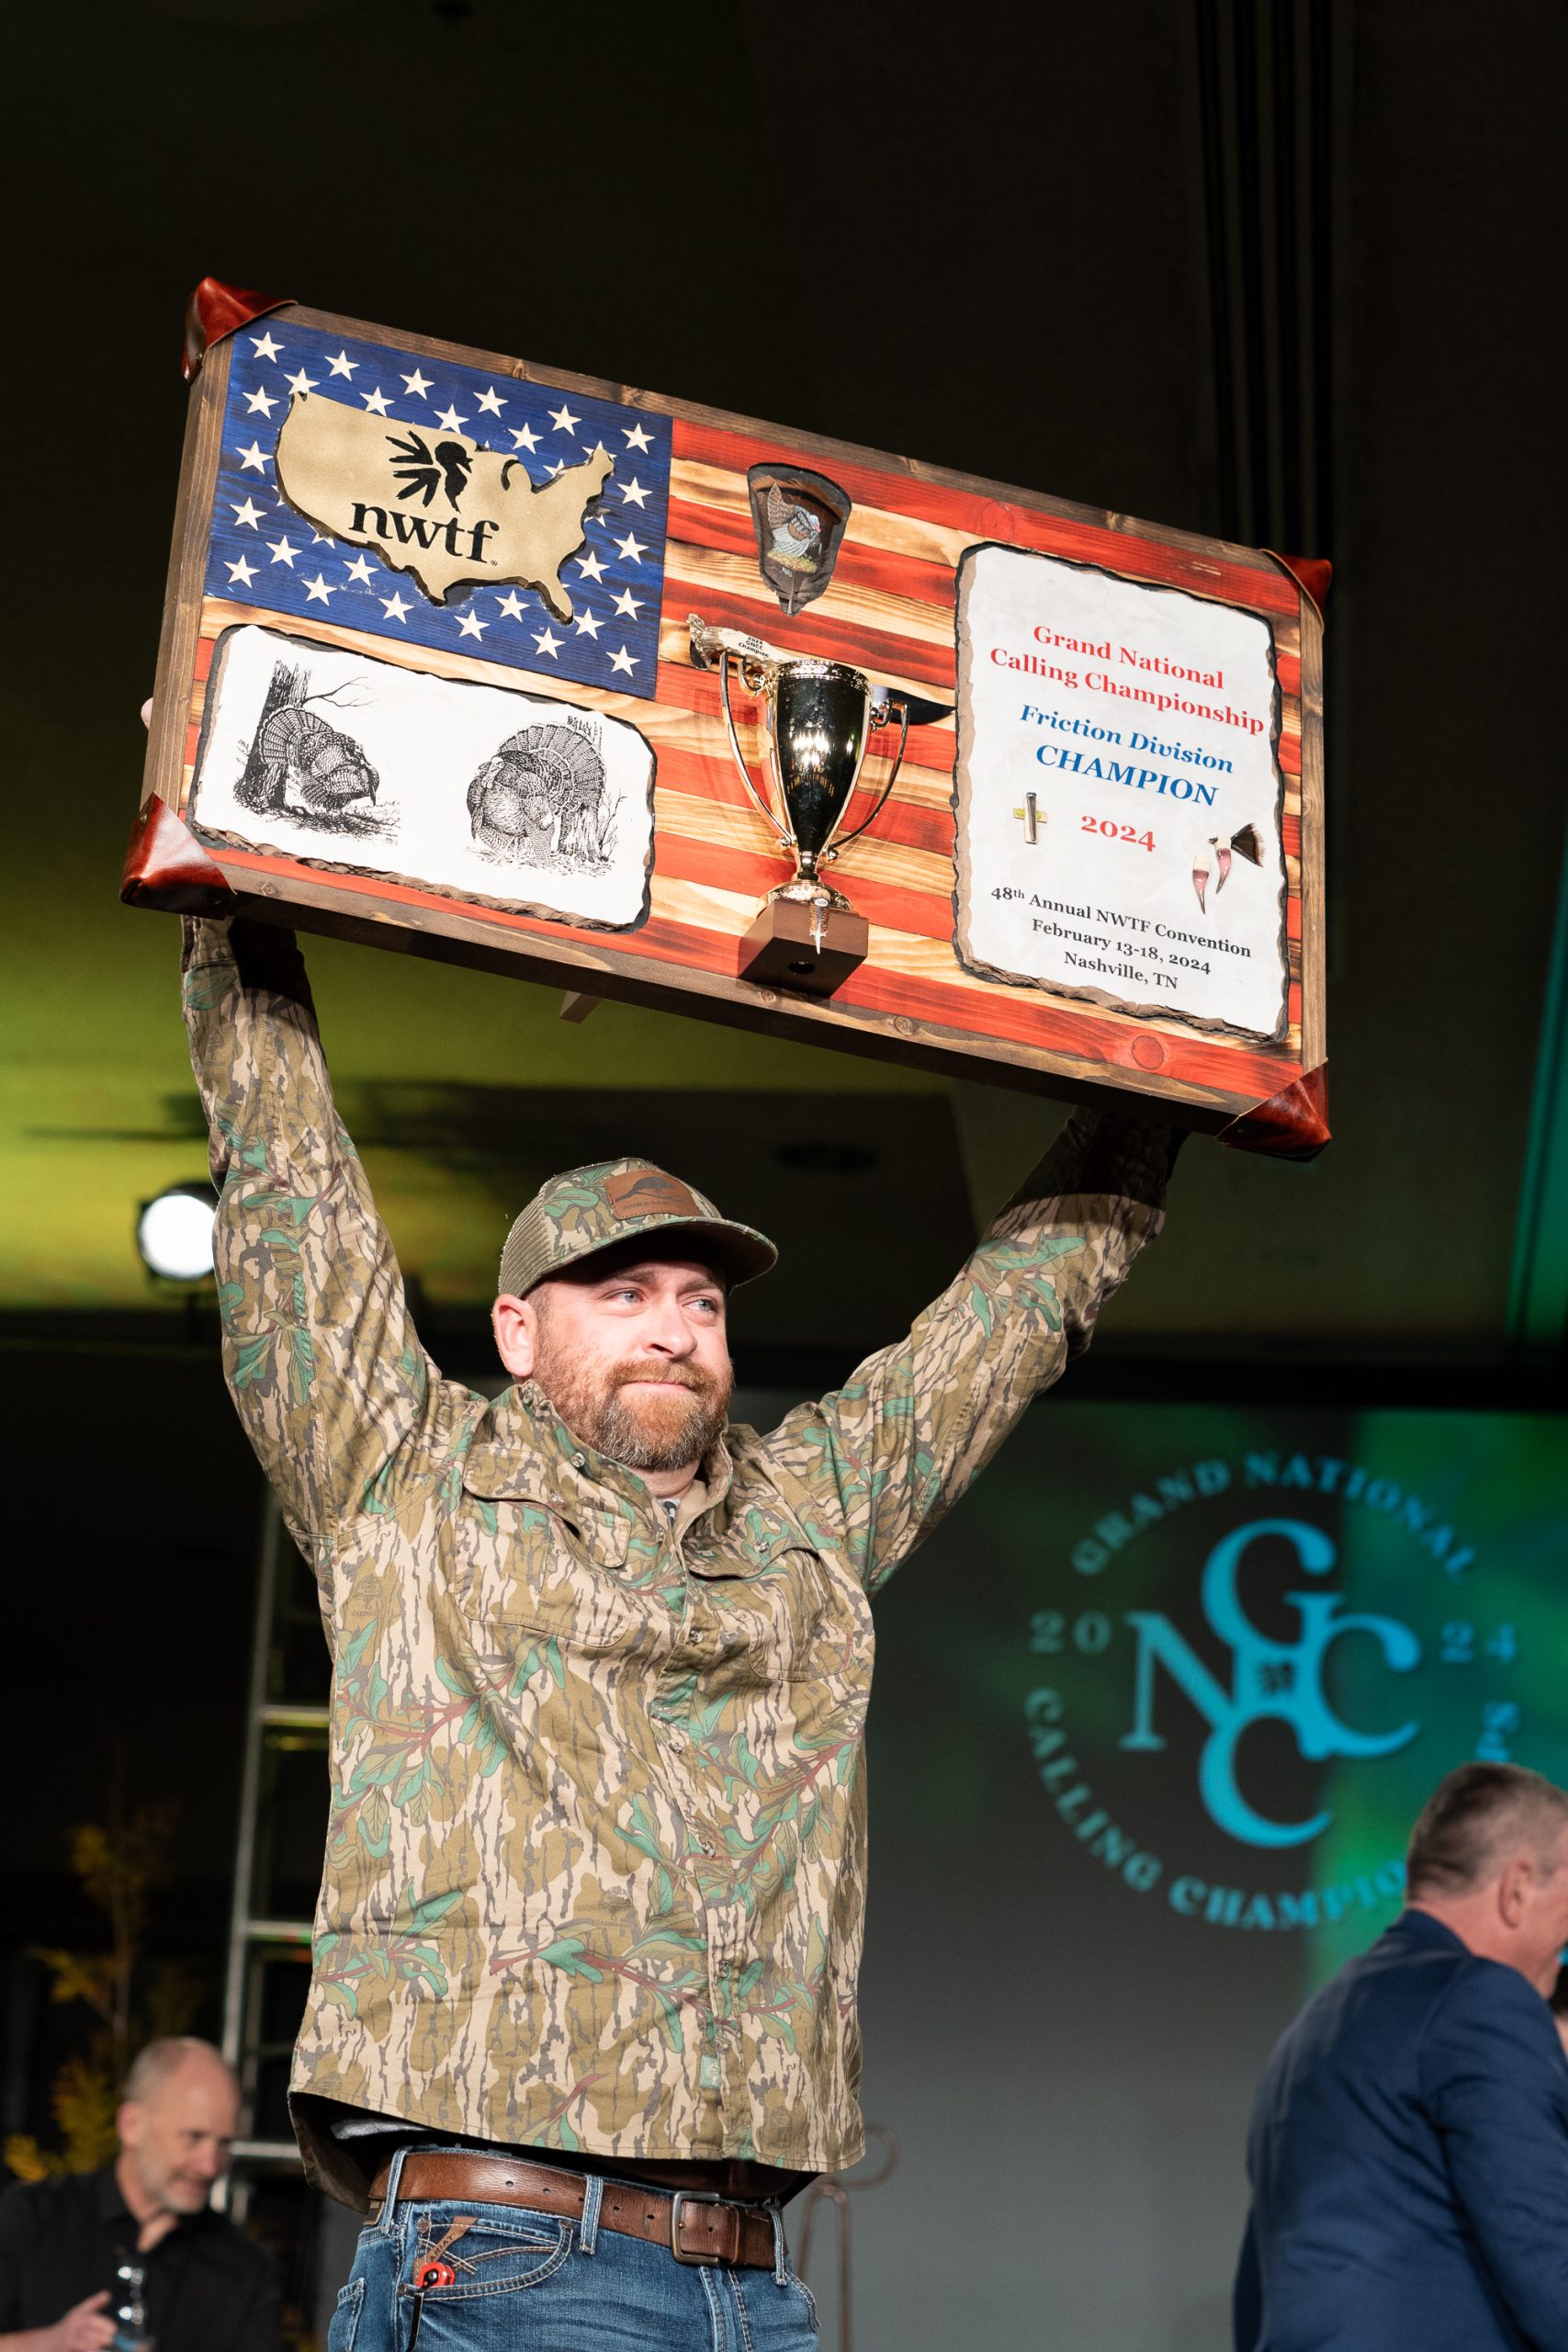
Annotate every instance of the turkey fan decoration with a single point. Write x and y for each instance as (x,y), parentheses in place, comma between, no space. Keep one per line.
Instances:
(799,519)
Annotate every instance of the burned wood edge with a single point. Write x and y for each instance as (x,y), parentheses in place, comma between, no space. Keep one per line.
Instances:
(1291,1125)
(216,309)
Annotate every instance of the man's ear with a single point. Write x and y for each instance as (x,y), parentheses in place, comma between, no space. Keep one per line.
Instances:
(1516,1883)
(515,1322)
(127,2123)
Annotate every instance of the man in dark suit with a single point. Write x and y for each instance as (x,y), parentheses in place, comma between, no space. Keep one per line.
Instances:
(1409,2146)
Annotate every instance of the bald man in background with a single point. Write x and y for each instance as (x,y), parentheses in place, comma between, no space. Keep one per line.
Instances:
(136,2248)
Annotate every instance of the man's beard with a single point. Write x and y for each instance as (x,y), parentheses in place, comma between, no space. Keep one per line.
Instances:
(664,1428)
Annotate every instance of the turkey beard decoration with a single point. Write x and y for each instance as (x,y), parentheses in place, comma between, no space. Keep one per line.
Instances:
(799,519)
(1218,852)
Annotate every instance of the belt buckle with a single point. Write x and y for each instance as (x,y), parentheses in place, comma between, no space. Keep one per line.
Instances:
(691,2197)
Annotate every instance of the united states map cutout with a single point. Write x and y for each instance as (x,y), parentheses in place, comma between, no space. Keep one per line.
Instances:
(433,503)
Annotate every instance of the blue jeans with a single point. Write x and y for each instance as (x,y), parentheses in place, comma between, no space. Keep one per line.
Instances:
(530,2282)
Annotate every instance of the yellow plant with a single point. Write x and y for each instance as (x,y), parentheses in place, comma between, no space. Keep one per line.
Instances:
(117,1863)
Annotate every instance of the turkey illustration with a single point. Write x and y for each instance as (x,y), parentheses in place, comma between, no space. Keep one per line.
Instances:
(795,532)
(539,800)
(298,764)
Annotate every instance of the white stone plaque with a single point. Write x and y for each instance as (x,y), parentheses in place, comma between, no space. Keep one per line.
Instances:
(483,792)
(1119,795)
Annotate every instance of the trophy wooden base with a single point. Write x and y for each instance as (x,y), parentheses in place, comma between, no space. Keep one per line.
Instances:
(780,951)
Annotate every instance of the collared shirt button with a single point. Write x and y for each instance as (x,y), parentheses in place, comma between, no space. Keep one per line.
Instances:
(579,1462)
(677,1739)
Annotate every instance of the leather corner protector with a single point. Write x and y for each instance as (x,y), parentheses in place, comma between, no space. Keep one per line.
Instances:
(1312,574)
(166,867)
(216,309)
(1291,1125)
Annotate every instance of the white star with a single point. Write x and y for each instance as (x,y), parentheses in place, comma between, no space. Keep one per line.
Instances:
(624,662)
(301,382)
(418,384)
(558,467)
(629,604)
(375,401)
(636,437)
(319,540)
(450,421)
(342,365)
(563,419)
(491,401)
(359,569)
(511,607)
(471,626)
(264,345)
(590,566)
(633,549)
(587,624)
(524,437)
(249,515)
(254,459)
(316,592)
(282,552)
(547,642)
(634,493)
(260,403)
(243,572)
(395,608)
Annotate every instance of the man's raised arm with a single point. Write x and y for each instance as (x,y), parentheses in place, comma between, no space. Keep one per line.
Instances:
(318,1349)
(883,1457)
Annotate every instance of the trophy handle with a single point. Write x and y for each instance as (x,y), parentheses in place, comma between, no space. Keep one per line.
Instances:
(845,838)
(724,658)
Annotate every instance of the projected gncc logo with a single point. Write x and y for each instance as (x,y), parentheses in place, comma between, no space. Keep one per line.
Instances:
(1227,1722)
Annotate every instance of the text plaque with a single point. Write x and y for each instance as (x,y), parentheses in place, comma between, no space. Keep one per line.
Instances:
(1119,794)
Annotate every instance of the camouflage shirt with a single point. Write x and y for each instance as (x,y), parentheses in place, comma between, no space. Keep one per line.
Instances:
(594,1875)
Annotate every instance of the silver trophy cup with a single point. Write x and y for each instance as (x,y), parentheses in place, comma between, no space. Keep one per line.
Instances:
(820,717)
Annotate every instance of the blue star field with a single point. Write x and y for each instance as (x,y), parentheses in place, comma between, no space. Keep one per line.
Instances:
(263,553)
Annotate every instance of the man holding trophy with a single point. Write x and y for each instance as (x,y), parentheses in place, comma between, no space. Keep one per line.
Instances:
(582,2007)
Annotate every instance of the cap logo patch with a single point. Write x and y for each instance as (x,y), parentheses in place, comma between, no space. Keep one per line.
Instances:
(648,1192)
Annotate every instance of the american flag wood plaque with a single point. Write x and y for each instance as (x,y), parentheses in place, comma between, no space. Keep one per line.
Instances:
(427,678)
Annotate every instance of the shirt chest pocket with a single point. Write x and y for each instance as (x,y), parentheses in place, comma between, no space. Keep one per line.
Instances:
(539,1576)
(784,1615)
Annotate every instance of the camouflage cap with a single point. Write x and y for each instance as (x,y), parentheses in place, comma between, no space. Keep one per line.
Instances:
(588,1209)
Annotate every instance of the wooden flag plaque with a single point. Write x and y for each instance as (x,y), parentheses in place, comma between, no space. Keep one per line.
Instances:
(429,677)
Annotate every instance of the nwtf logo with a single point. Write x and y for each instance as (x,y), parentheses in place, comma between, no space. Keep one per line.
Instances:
(1205,1719)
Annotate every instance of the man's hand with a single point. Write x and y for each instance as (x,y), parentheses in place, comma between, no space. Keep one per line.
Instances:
(86,2327)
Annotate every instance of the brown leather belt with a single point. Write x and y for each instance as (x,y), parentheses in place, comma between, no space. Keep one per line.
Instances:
(693,2225)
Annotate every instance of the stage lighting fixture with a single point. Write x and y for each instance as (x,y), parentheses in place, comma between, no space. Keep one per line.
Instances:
(174,1232)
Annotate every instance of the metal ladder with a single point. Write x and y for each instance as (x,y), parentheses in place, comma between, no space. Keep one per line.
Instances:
(259,1941)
